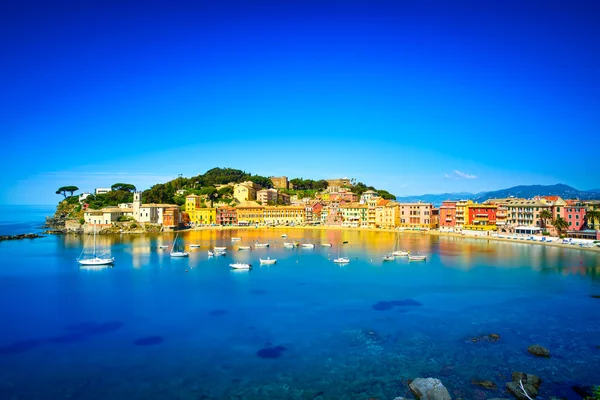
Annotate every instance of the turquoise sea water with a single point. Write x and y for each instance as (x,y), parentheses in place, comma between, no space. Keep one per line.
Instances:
(154,327)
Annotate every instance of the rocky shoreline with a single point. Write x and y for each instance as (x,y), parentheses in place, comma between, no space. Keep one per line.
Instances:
(21,236)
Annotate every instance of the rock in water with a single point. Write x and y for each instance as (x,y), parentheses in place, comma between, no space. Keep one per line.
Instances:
(429,389)
(485,384)
(531,383)
(538,350)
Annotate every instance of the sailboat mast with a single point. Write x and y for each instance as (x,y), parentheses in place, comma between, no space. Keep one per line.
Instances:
(94,240)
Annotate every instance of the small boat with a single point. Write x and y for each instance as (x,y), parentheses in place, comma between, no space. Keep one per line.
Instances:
(341,260)
(219,248)
(211,253)
(284,236)
(194,246)
(325,244)
(268,261)
(244,247)
(289,245)
(400,253)
(95,260)
(261,245)
(240,266)
(236,239)
(220,253)
(178,253)
(416,257)
(308,245)
(388,257)
(163,246)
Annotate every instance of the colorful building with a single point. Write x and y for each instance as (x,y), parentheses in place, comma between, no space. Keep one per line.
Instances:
(282,215)
(280,182)
(575,216)
(267,197)
(354,215)
(461,212)
(250,213)
(447,214)
(481,217)
(416,216)
(226,216)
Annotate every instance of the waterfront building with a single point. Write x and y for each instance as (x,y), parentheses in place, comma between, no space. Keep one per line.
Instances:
(481,217)
(250,213)
(460,218)
(391,215)
(575,216)
(267,196)
(447,214)
(107,216)
(526,213)
(592,205)
(171,218)
(354,215)
(226,216)
(313,212)
(197,211)
(416,215)
(280,182)
(282,215)
(331,215)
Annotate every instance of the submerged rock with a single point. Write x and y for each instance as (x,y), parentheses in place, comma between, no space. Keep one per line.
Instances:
(492,337)
(20,236)
(530,384)
(485,384)
(429,389)
(538,350)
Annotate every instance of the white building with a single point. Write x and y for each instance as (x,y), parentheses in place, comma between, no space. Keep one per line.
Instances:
(102,190)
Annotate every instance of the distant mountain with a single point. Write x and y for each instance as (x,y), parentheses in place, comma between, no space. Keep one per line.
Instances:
(436,199)
(523,191)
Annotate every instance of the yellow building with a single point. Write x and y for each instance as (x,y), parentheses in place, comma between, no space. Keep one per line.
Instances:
(274,215)
(461,217)
(198,214)
(250,213)
(244,192)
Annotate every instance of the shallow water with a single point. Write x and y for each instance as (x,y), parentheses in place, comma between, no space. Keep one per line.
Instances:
(154,327)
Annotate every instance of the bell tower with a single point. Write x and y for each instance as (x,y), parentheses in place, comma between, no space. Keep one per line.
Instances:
(137,204)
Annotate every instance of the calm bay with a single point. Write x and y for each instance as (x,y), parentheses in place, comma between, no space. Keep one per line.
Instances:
(154,327)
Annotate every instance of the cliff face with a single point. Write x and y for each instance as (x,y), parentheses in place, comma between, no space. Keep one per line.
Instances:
(66,218)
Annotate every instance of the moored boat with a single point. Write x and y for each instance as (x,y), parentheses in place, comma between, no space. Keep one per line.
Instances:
(388,257)
(95,260)
(290,245)
(236,239)
(268,261)
(240,266)
(222,248)
(400,253)
(308,245)
(284,235)
(341,260)
(178,253)
(325,244)
(417,257)
(261,245)
(244,247)
(194,246)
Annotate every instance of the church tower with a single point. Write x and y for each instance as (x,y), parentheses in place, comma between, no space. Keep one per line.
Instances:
(137,204)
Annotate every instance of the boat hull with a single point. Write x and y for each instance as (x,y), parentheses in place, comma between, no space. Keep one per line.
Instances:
(240,266)
(179,254)
(267,261)
(97,261)
(341,260)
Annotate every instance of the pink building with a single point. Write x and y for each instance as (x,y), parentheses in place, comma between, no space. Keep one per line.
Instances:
(448,214)
(575,216)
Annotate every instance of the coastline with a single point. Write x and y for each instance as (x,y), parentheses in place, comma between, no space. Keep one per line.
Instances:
(409,232)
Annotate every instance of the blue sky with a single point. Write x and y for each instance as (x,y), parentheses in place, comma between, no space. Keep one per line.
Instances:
(409,96)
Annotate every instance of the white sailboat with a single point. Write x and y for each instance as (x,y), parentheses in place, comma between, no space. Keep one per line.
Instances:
(240,266)
(178,253)
(341,260)
(95,260)
(398,252)
(388,257)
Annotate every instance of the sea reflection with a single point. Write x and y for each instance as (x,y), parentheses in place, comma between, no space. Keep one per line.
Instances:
(452,252)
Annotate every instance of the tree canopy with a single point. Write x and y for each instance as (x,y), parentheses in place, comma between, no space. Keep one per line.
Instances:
(64,189)
(309,184)
(128,187)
